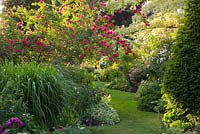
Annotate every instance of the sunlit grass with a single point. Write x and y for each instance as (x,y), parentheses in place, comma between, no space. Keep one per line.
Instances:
(133,121)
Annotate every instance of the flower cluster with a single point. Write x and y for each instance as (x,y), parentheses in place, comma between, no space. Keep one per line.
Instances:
(106,40)
(14,121)
(70,31)
(1,128)
(3,132)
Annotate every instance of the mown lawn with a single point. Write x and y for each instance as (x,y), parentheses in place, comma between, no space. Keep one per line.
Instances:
(132,121)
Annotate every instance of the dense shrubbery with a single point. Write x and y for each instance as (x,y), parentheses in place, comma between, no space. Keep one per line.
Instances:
(154,57)
(116,74)
(71,31)
(61,31)
(85,93)
(149,96)
(41,94)
(137,74)
(181,80)
(103,113)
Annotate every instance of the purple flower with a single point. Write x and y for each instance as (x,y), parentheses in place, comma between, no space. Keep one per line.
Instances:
(1,128)
(4,133)
(8,123)
(60,129)
(14,120)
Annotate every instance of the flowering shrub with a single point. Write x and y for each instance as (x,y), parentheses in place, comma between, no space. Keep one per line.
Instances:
(63,30)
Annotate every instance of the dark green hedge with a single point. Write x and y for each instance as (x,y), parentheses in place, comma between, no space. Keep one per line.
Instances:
(182,76)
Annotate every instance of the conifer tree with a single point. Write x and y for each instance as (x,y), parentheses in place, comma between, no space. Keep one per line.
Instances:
(181,83)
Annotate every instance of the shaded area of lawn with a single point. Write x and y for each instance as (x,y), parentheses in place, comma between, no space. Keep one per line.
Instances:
(132,121)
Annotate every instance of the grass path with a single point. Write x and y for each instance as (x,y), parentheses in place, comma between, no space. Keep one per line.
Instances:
(132,121)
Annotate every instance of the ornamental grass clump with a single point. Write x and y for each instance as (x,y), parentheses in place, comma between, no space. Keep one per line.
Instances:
(41,87)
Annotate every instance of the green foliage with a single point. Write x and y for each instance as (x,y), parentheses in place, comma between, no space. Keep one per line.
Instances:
(132,120)
(162,6)
(119,82)
(115,77)
(48,33)
(8,4)
(41,87)
(103,113)
(66,31)
(114,6)
(181,80)
(137,74)
(116,74)
(154,58)
(11,107)
(160,49)
(78,75)
(85,93)
(149,96)
(76,130)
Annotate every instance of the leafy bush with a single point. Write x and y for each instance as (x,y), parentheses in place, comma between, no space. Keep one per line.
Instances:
(85,93)
(103,113)
(115,78)
(149,96)
(120,82)
(117,74)
(79,75)
(11,107)
(181,79)
(8,4)
(137,74)
(41,87)
(153,60)
(83,33)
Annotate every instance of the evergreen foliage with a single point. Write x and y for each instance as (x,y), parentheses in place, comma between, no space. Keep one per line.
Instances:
(181,87)
(149,96)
